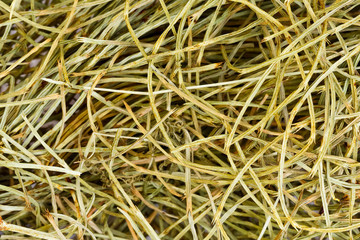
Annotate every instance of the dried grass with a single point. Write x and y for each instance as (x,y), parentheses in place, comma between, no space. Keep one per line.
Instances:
(198,119)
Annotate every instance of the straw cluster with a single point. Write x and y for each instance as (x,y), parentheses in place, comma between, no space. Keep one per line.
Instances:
(179,119)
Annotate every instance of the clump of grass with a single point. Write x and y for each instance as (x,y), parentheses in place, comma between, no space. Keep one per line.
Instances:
(178,119)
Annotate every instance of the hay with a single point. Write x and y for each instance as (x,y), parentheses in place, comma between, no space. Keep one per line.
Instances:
(179,119)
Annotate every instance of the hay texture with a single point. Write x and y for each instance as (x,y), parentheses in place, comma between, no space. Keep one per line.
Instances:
(179,119)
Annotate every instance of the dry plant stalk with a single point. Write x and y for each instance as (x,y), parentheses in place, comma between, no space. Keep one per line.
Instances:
(179,119)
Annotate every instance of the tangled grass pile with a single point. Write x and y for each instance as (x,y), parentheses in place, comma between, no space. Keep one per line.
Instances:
(179,119)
